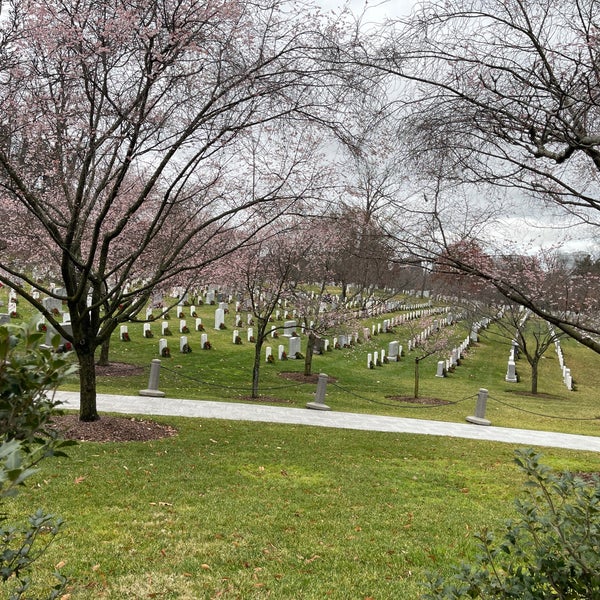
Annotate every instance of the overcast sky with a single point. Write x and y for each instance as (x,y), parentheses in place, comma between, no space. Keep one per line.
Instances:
(375,10)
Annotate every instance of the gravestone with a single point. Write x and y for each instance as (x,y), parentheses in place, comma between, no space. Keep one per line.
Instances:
(52,304)
(163,347)
(440,368)
(183,345)
(295,345)
(268,353)
(4,318)
(393,350)
(280,351)
(511,373)
(319,346)
(250,333)
(219,318)
(288,328)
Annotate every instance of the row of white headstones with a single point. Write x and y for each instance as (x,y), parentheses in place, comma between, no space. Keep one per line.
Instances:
(566,372)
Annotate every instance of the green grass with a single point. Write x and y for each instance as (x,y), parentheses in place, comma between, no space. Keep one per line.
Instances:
(240,510)
(246,510)
(224,373)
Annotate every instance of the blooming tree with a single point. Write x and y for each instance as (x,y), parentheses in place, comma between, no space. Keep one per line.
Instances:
(134,146)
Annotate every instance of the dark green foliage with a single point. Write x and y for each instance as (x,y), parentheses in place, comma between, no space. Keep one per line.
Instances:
(27,373)
(550,551)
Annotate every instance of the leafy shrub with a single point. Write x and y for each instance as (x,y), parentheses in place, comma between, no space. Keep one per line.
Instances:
(550,551)
(27,373)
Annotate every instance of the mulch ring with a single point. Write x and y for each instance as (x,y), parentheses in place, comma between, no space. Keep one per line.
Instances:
(302,378)
(290,376)
(117,369)
(111,429)
(421,401)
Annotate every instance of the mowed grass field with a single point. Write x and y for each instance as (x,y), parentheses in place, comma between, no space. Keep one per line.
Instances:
(249,510)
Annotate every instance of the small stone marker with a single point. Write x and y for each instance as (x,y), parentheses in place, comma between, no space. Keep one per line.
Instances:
(319,401)
(152,389)
(479,418)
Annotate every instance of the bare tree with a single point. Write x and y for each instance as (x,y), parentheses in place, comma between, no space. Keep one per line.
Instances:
(503,97)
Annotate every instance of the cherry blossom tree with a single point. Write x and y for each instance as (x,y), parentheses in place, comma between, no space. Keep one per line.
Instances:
(134,146)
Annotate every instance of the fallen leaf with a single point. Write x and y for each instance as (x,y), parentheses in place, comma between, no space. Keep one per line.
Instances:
(79,479)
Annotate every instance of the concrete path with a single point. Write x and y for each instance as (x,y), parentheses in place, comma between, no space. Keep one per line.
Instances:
(142,405)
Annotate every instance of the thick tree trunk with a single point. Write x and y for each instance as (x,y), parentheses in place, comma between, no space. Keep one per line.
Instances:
(104,352)
(310,347)
(87,385)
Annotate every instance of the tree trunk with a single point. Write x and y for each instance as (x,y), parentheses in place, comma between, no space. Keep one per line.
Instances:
(104,351)
(256,366)
(87,384)
(310,347)
(534,377)
(416,395)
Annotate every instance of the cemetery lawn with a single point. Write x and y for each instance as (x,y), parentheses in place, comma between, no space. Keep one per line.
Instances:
(248,510)
(224,373)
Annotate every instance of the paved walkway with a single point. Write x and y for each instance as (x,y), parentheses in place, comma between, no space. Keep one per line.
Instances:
(142,405)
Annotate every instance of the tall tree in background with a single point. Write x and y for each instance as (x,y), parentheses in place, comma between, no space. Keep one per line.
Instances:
(124,159)
(503,96)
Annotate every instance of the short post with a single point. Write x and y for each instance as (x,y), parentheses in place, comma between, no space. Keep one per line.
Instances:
(479,418)
(319,402)
(152,389)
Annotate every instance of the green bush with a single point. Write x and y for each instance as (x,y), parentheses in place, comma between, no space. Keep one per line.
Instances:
(550,551)
(27,373)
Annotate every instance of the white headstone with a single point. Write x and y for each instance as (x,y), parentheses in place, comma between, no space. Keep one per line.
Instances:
(440,368)
(295,346)
(162,344)
(288,328)
(219,318)
(183,344)
(511,373)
